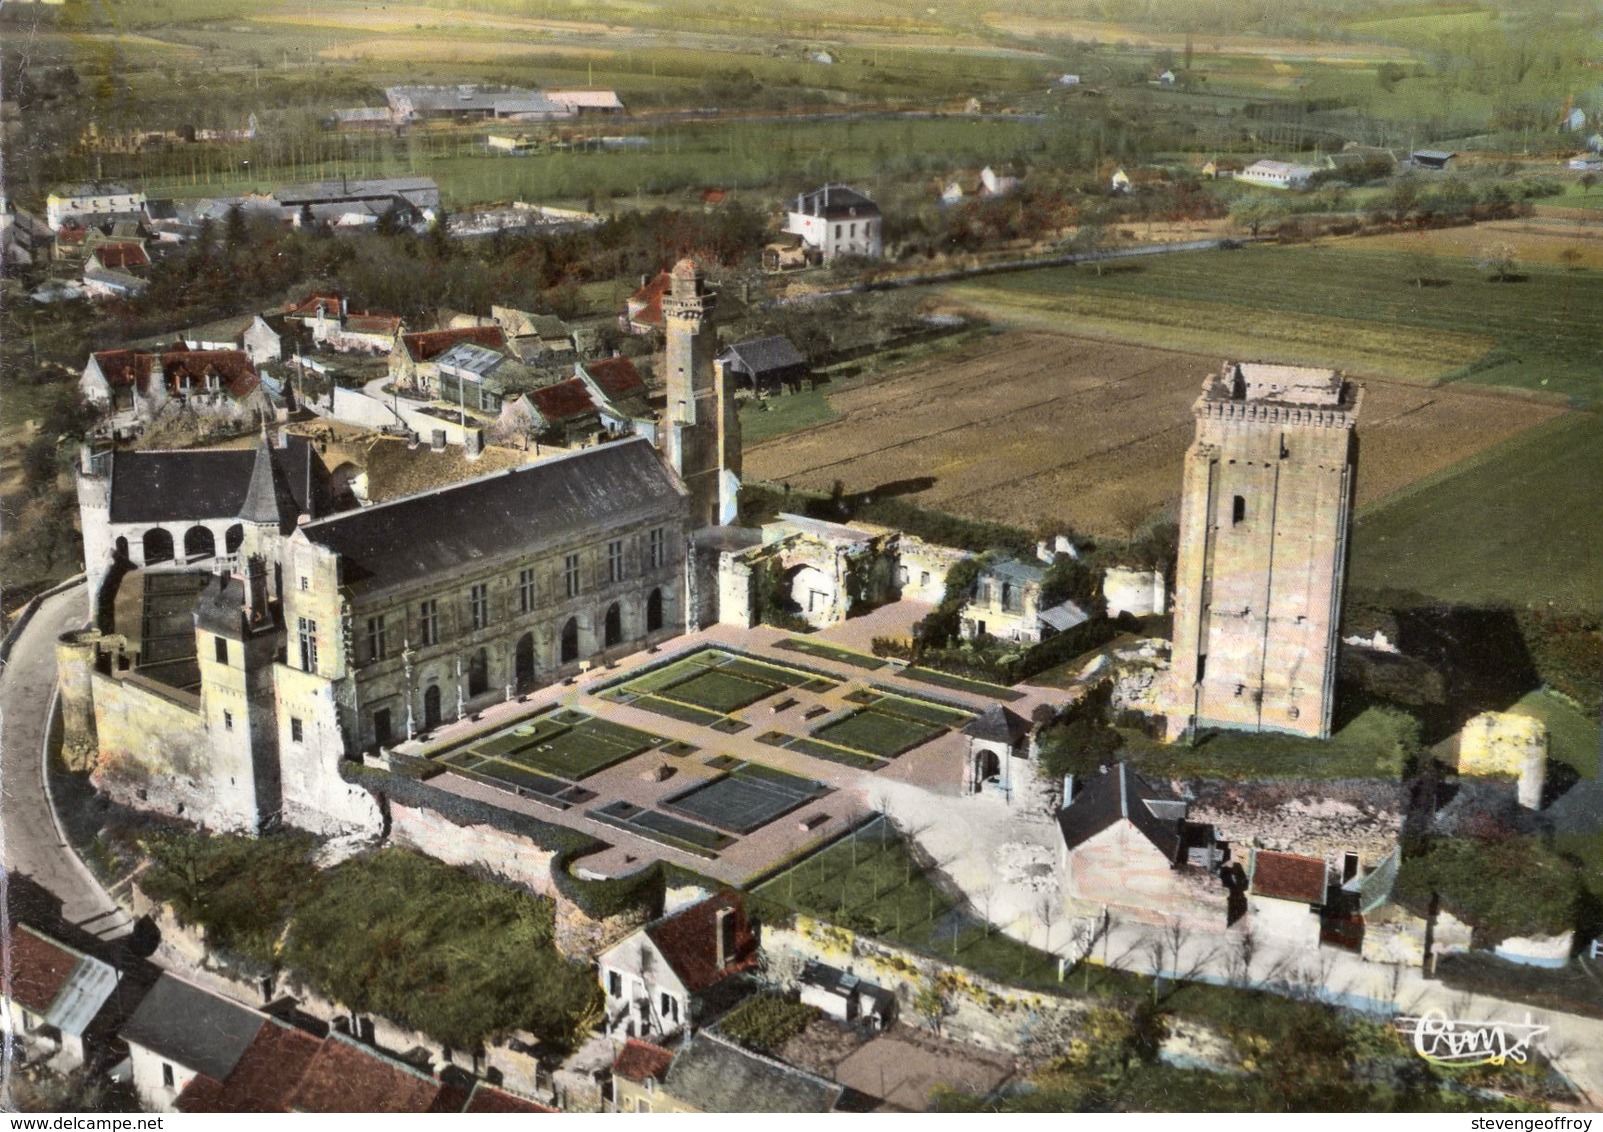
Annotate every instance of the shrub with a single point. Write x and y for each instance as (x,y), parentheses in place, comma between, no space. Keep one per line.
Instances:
(767,1021)
(461,958)
(241,890)
(1502,887)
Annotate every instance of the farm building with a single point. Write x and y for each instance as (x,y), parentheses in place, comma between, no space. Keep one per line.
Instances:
(1431,160)
(1285,895)
(53,996)
(1007,605)
(1276,174)
(844,996)
(767,365)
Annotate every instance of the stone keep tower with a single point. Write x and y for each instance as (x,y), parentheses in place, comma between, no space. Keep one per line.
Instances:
(700,431)
(1264,516)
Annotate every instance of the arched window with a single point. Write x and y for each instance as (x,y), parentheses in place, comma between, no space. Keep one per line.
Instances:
(614,626)
(1238,509)
(654,611)
(158,546)
(431,707)
(570,641)
(122,548)
(479,673)
(523,661)
(233,538)
(199,543)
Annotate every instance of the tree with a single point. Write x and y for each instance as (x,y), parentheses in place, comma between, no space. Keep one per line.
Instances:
(1082,746)
(1254,212)
(933,1003)
(1091,238)
(1498,261)
(1588,179)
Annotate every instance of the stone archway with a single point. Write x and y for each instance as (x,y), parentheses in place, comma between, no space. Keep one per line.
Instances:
(199,542)
(157,546)
(654,611)
(523,662)
(479,673)
(570,641)
(431,707)
(613,626)
(233,538)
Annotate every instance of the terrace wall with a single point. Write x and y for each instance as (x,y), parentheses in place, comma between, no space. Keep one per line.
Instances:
(983,1013)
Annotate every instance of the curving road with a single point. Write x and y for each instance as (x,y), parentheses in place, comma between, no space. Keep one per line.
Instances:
(31,842)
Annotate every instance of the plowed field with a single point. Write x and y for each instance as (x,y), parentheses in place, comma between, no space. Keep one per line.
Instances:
(1028,426)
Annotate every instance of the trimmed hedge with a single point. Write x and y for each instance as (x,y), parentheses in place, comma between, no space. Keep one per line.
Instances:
(1513,886)
(997,667)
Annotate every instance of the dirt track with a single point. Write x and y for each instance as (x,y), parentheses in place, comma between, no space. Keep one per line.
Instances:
(1030,426)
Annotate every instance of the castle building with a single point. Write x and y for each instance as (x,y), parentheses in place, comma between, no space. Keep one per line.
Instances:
(700,429)
(1264,516)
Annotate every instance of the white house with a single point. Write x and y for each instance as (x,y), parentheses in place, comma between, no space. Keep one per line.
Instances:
(658,979)
(1007,605)
(1276,174)
(52,996)
(180,1032)
(838,221)
(89,201)
(1285,896)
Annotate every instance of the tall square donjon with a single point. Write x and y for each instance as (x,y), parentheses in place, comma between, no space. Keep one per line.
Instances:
(1264,516)
(700,429)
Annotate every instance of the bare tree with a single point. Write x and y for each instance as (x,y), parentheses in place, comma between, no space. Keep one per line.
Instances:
(1047,912)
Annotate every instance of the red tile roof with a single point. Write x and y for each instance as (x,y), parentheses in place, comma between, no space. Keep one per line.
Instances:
(428,344)
(344,1077)
(234,367)
(688,942)
(39,969)
(638,1060)
(563,401)
(125,367)
(373,323)
(1288,876)
(121,255)
(487,1098)
(262,1080)
(71,234)
(616,376)
(713,196)
(645,305)
(326,301)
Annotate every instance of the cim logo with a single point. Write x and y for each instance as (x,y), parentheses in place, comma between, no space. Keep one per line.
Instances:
(1444,1041)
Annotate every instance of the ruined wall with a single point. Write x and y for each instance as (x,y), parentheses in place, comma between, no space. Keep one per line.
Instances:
(75,664)
(1318,819)
(1503,743)
(982,1012)
(1136,592)
(1393,934)
(507,855)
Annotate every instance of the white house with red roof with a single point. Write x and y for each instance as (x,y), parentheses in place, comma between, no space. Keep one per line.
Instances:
(1285,896)
(660,979)
(132,387)
(53,995)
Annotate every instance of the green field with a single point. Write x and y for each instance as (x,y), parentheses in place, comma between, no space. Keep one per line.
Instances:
(776,416)
(878,733)
(831,652)
(1346,306)
(1518,524)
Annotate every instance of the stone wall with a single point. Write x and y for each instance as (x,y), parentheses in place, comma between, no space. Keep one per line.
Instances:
(982,1013)
(1393,934)
(507,855)
(75,663)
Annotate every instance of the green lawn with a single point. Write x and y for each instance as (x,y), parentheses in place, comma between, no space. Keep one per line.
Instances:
(1517,524)
(831,652)
(1348,306)
(719,691)
(775,416)
(878,733)
(1572,738)
(1376,744)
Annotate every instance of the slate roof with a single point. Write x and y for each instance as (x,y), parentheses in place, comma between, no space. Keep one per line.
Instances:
(564,401)
(268,498)
(833,201)
(426,345)
(712,1074)
(688,942)
(764,355)
(1013,570)
(194,1028)
(391,544)
(345,1077)
(1064,616)
(999,724)
(616,377)
(1288,876)
(202,483)
(638,1060)
(263,1078)
(346,190)
(1120,794)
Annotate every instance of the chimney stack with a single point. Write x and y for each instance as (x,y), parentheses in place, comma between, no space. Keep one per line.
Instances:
(723,937)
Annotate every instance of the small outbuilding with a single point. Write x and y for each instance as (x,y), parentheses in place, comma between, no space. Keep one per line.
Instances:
(768,366)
